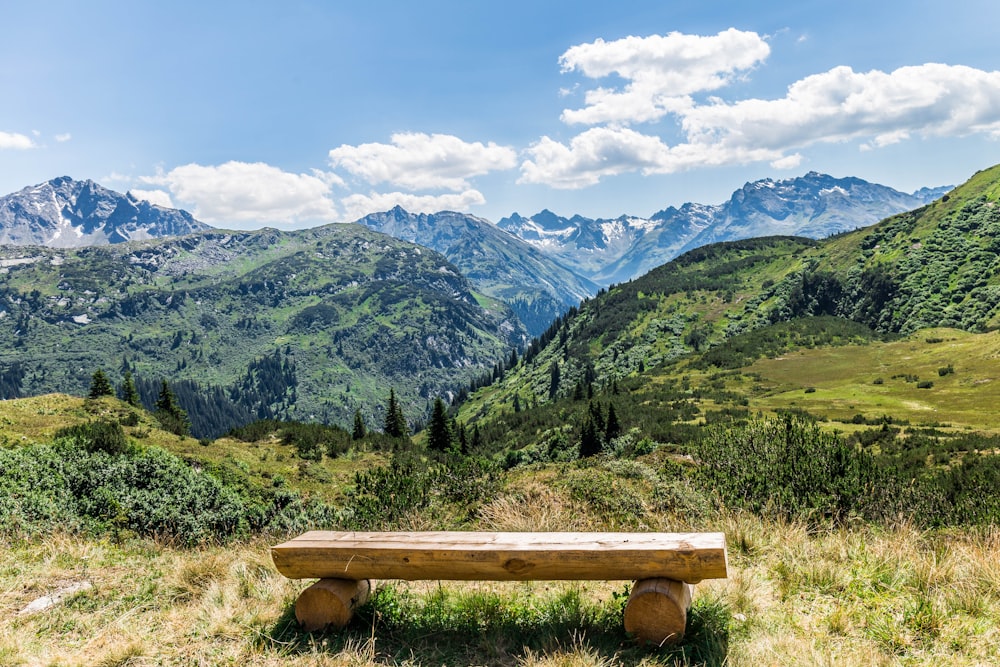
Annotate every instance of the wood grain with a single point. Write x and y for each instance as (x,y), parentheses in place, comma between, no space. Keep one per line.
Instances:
(467,556)
(656,611)
(330,602)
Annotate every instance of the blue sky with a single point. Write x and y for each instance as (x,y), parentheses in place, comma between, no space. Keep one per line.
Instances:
(303,112)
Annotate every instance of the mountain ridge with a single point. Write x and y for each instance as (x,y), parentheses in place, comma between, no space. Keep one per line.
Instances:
(617,249)
(538,287)
(65,213)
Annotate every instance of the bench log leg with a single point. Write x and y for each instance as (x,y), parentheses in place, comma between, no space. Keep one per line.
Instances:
(656,611)
(330,602)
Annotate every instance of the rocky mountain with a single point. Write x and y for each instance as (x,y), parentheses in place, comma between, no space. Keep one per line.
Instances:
(310,325)
(498,263)
(64,213)
(614,250)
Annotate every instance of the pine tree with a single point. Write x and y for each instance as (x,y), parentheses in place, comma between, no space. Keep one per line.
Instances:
(100,385)
(590,441)
(128,392)
(170,415)
(395,422)
(613,429)
(554,380)
(463,438)
(438,432)
(359,426)
(597,416)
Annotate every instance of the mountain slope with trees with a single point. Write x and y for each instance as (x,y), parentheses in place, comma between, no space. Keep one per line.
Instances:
(932,267)
(314,324)
(499,264)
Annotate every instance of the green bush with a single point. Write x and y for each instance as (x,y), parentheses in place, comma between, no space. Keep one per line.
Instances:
(97,436)
(85,481)
(788,467)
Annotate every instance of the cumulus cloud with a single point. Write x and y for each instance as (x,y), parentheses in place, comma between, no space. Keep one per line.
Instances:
(62,138)
(155,197)
(417,161)
(358,205)
(596,153)
(247,192)
(662,72)
(875,108)
(14,141)
(841,105)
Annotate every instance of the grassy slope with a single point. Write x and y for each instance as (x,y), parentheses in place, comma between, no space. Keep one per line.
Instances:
(36,419)
(843,378)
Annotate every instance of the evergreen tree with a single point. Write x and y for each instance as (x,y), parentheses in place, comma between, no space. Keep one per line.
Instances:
(438,432)
(128,391)
(517,404)
(613,429)
(463,438)
(590,441)
(395,422)
(100,385)
(170,415)
(513,359)
(359,431)
(554,380)
(597,417)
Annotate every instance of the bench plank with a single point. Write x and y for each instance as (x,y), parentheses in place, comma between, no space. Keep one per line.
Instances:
(469,556)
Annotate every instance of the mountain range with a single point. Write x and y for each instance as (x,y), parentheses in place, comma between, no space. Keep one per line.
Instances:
(615,250)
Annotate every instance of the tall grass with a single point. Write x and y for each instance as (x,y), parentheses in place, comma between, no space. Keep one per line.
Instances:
(796,595)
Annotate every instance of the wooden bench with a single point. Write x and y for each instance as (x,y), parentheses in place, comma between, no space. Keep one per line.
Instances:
(663,565)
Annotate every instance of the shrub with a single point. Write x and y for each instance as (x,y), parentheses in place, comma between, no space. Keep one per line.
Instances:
(97,436)
(789,468)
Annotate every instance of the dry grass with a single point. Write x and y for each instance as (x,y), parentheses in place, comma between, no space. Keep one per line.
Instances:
(862,596)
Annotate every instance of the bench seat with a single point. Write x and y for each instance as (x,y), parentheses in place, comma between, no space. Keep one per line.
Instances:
(663,565)
(471,556)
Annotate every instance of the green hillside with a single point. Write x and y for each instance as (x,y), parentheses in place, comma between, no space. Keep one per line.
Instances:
(312,325)
(933,267)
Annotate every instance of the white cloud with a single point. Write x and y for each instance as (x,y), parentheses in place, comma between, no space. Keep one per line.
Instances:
(62,138)
(358,205)
(14,141)
(417,161)
(842,105)
(596,153)
(247,192)
(876,108)
(155,197)
(662,72)
(787,162)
